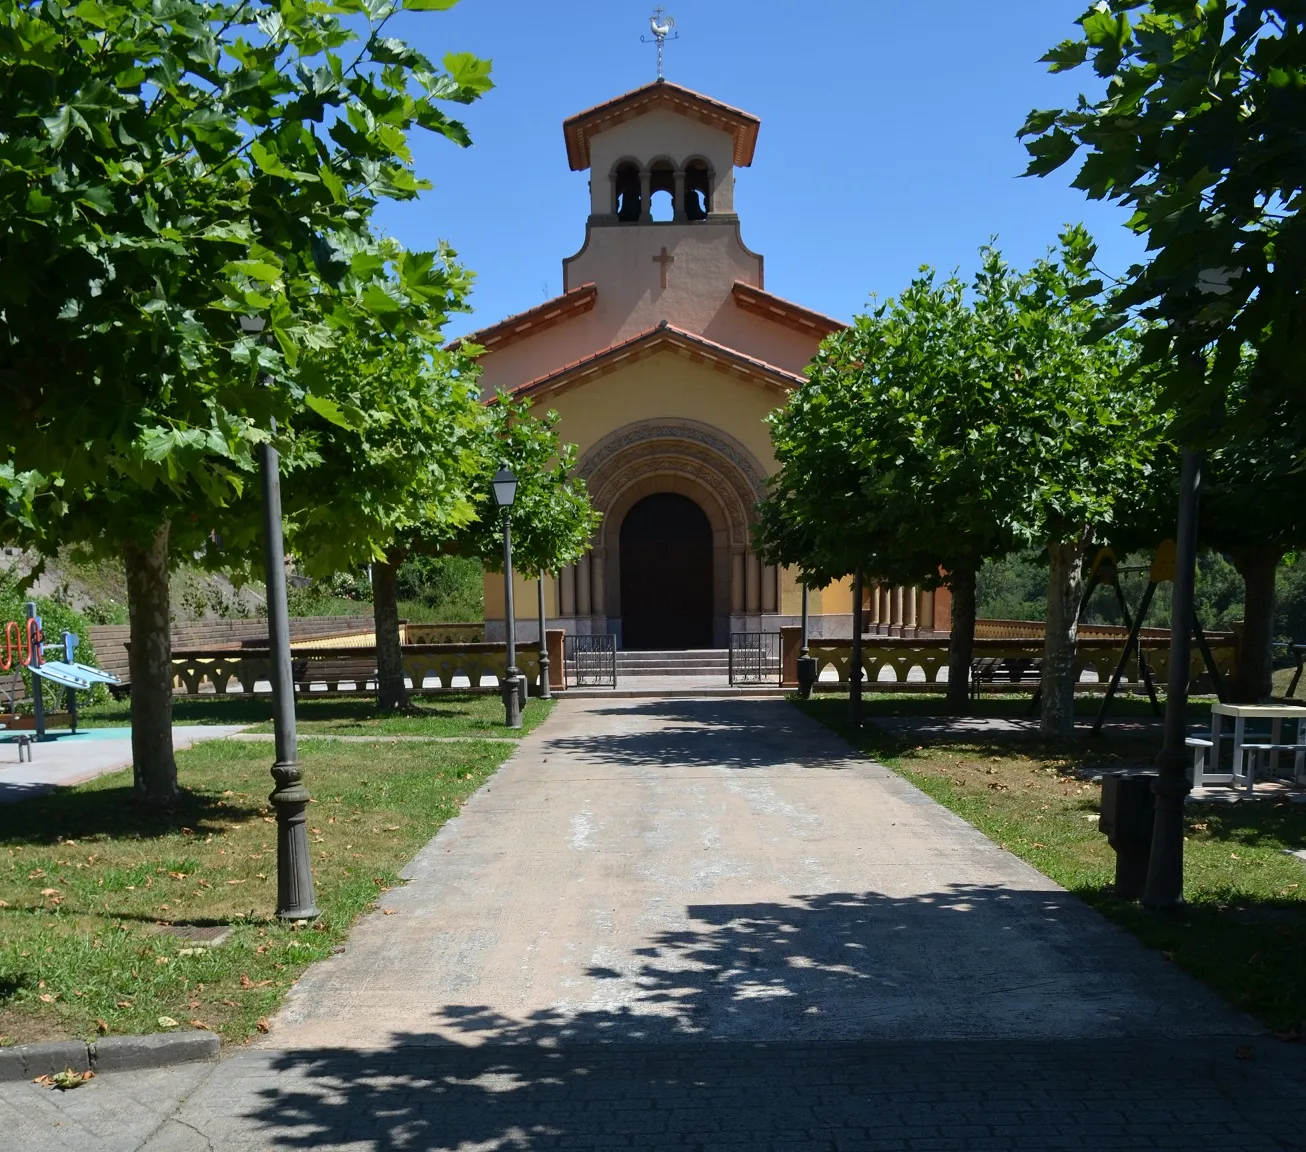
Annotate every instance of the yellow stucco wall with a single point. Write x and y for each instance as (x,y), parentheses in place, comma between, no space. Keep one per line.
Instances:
(667,386)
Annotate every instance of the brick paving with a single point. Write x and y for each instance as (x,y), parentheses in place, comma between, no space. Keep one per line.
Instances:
(709,925)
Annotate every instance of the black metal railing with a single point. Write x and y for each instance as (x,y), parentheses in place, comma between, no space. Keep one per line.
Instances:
(591,661)
(755,658)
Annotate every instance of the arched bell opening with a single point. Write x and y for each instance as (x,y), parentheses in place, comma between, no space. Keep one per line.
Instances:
(627,193)
(698,190)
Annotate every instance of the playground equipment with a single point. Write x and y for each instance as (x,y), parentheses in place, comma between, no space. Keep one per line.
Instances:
(1159,572)
(25,647)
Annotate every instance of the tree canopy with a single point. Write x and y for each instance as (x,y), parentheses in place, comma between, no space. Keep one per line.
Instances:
(955,424)
(165,169)
(1199,133)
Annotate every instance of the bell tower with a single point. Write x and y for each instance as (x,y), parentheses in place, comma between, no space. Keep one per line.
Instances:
(662,240)
(661,154)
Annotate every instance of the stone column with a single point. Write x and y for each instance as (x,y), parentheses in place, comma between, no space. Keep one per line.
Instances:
(737,581)
(599,602)
(925,616)
(874,620)
(753,584)
(567,591)
(770,580)
(910,600)
(645,196)
(679,194)
(583,604)
(896,619)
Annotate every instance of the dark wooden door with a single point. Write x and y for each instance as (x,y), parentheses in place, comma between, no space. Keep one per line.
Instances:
(666,574)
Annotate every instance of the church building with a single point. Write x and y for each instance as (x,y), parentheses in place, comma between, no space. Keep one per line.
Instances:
(663,356)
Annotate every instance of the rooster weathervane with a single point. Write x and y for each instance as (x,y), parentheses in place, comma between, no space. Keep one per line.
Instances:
(661,25)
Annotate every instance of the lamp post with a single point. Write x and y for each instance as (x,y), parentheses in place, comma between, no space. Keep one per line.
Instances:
(1165,870)
(806,665)
(295,897)
(504,486)
(546,692)
(855,672)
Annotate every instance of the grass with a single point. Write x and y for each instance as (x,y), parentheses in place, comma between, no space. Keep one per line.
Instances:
(1243,930)
(457,714)
(94,889)
(1283,677)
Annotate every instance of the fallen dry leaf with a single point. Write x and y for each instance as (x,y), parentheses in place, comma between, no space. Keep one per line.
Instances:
(167,1022)
(200,1024)
(388,911)
(100,1026)
(65,1079)
(262,1025)
(46,998)
(123,1004)
(1243,1051)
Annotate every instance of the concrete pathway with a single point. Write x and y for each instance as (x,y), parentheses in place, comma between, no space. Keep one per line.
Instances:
(73,759)
(708,924)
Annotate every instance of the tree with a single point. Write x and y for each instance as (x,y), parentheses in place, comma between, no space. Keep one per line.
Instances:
(165,170)
(1254,510)
(403,467)
(939,431)
(390,459)
(893,457)
(1199,132)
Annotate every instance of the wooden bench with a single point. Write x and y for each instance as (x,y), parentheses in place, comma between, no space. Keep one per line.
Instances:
(1015,670)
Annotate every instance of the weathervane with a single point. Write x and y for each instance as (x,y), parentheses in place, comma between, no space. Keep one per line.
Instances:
(661,25)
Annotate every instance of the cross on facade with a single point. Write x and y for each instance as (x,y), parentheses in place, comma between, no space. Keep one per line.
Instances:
(666,260)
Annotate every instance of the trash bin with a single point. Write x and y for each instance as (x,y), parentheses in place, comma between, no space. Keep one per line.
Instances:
(1128,811)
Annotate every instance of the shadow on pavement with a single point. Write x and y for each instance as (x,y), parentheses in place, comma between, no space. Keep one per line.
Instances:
(741,733)
(678,1064)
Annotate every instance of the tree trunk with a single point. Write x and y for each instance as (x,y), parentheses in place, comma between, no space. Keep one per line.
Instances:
(1254,681)
(154,769)
(390,691)
(961,640)
(1065,589)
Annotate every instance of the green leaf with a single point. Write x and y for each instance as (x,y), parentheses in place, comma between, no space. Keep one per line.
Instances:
(429,5)
(330,410)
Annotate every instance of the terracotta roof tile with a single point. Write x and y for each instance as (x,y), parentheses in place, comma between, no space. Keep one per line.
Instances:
(645,343)
(762,303)
(533,320)
(579,128)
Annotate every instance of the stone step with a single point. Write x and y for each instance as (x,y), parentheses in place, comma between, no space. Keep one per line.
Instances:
(702,662)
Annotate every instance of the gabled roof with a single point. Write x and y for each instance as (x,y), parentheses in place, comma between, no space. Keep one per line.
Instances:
(533,320)
(664,337)
(783,311)
(684,101)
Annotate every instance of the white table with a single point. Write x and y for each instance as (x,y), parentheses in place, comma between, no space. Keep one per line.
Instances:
(1276,714)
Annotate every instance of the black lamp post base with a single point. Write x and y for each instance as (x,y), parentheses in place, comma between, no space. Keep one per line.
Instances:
(511,688)
(296,899)
(806,676)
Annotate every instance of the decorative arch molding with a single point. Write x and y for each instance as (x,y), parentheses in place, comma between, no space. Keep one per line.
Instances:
(661,467)
(683,433)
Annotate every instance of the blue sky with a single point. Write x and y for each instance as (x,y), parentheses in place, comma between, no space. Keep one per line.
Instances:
(887,140)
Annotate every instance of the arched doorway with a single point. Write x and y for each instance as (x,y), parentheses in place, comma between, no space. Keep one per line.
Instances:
(666,574)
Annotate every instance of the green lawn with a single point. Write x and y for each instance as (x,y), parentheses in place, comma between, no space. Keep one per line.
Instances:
(95,885)
(1244,928)
(457,714)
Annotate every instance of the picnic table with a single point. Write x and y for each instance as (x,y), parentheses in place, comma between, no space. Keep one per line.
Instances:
(1250,752)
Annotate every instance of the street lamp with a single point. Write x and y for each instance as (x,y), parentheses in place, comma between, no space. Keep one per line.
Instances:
(546,692)
(1165,870)
(295,897)
(806,664)
(504,486)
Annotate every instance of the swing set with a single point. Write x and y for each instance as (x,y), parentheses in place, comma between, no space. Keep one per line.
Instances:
(25,649)
(1106,571)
